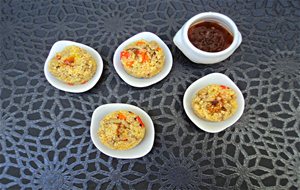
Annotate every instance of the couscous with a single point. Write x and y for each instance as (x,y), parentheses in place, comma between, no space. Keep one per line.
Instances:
(143,59)
(215,103)
(73,65)
(121,130)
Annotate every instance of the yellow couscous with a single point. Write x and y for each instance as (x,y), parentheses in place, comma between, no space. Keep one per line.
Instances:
(143,59)
(215,103)
(73,65)
(121,130)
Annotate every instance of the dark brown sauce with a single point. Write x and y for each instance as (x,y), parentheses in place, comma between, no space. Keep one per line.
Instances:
(209,36)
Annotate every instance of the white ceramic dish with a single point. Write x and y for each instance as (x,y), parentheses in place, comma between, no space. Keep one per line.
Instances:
(142,82)
(141,149)
(59,46)
(214,78)
(196,55)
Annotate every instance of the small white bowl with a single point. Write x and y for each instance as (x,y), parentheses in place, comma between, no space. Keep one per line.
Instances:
(208,126)
(59,46)
(196,55)
(141,149)
(143,82)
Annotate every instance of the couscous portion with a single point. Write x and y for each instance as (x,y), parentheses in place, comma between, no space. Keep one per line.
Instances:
(143,59)
(73,65)
(121,130)
(215,103)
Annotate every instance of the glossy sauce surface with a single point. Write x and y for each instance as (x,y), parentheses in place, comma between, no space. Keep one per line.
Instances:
(209,36)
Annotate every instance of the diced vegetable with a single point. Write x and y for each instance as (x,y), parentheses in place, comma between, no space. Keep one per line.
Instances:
(125,54)
(121,116)
(69,60)
(224,87)
(130,63)
(140,43)
(140,121)
(145,57)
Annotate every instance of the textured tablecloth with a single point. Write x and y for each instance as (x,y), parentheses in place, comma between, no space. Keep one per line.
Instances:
(44,132)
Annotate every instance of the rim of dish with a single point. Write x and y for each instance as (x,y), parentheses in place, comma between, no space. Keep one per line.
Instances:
(82,87)
(115,106)
(189,94)
(149,81)
(217,16)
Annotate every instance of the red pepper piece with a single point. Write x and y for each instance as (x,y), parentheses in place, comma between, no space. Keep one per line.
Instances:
(224,87)
(125,54)
(69,60)
(140,121)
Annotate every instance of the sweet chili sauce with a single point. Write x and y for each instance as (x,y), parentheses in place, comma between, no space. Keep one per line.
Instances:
(209,36)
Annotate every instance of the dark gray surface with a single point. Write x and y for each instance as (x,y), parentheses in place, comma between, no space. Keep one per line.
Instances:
(44,133)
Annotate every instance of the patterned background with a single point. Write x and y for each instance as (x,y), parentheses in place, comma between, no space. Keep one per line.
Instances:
(44,133)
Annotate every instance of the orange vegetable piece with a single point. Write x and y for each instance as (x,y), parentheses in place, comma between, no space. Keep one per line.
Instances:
(129,63)
(140,43)
(145,57)
(69,60)
(125,54)
(71,84)
(121,116)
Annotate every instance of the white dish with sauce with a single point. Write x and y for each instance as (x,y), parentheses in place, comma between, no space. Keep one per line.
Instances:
(208,126)
(196,55)
(143,82)
(143,148)
(58,47)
